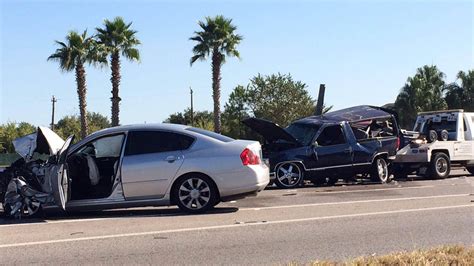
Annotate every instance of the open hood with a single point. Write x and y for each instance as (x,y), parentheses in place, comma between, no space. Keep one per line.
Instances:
(43,141)
(269,130)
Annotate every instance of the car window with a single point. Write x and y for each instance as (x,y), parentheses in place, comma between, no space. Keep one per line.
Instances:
(104,147)
(438,124)
(303,133)
(331,135)
(210,134)
(373,128)
(143,142)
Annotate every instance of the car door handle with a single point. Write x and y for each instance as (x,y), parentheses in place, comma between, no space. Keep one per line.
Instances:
(348,150)
(171,158)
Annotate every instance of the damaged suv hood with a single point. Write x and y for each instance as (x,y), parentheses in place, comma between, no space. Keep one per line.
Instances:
(269,130)
(43,141)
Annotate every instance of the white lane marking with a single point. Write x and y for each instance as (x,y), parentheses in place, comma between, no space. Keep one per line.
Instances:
(349,202)
(226,226)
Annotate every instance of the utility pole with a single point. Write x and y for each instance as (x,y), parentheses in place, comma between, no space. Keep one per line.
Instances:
(320,104)
(53,101)
(192,110)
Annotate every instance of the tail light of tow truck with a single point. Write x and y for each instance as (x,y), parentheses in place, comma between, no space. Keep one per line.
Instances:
(249,157)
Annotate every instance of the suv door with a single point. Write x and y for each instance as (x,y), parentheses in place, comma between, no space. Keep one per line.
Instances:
(59,178)
(151,161)
(332,151)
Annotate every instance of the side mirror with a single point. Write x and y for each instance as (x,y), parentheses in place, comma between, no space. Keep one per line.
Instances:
(315,144)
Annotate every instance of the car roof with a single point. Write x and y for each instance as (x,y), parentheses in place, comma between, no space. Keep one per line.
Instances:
(351,114)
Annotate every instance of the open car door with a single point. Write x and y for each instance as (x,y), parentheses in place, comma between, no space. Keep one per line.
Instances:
(60,179)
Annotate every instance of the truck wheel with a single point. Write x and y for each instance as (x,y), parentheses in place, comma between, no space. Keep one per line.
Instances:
(440,166)
(444,135)
(380,171)
(432,136)
(288,175)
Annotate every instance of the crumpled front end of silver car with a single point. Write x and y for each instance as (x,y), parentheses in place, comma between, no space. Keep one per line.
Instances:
(26,185)
(23,200)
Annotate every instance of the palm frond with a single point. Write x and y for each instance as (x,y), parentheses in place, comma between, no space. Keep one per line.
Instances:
(218,34)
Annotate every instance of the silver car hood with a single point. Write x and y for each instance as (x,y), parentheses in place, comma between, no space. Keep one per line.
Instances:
(43,141)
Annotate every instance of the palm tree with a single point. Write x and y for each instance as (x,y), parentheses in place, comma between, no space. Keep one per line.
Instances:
(461,96)
(217,39)
(118,39)
(72,55)
(422,92)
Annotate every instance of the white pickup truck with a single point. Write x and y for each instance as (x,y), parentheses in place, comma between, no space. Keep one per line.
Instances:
(439,140)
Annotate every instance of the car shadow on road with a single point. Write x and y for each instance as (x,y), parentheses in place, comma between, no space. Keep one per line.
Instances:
(112,214)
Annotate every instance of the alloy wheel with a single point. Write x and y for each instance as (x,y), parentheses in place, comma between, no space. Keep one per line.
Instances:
(194,193)
(382,170)
(441,166)
(288,175)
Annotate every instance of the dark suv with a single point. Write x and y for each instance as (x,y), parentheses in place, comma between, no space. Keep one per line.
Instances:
(340,144)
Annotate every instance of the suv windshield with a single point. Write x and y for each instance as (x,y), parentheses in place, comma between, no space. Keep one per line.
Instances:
(303,133)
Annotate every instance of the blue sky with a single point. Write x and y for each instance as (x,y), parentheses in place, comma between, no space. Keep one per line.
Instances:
(362,50)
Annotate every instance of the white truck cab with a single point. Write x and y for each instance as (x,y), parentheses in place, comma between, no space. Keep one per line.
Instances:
(443,138)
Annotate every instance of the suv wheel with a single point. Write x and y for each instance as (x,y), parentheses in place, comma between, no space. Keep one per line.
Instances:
(440,166)
(380,172)
(195,193)
(288,175)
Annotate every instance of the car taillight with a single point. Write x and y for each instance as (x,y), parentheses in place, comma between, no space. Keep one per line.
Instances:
(398,143)
(248,157)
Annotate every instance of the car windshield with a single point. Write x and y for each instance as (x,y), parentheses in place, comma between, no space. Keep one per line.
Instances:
(303,133)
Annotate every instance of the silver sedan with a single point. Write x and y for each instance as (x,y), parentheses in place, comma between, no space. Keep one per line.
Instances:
(133,166)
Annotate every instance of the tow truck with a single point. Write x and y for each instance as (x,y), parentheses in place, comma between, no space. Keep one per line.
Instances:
(439,140)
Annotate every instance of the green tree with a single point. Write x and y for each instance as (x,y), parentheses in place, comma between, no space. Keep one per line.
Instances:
(277,98)
(72,55)
(10,131)
(202,119)
(461,96)
(422,92)
(70,125)
(119,40)
(217,39)
(235,110)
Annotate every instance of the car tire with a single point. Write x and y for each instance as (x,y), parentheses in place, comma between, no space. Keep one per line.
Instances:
(195,193)
(440,166)
(289,175)
(30,209)
(380,171)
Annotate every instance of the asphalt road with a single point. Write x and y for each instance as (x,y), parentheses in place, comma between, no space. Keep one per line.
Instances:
(277,227)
